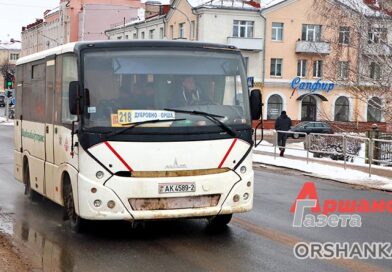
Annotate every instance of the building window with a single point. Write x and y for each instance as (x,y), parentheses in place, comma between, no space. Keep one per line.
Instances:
(14,56)
(119,38)
(276,67)
(193,26)
(151,35)
(161,33)
(311,33)
(143,35)
(309,109)
(343,70)
(181,31)
(342,109)
(246,59)
(301,68)
(277,31)
(318,68)
(243,29)
(135,36)
(126,37)
(374,110)
(274,107)
(377,35)
(171,32)
(375,71)
(344,35)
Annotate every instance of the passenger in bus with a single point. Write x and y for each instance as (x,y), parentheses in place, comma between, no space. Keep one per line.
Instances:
(188,94)
(146,98)
(137,97)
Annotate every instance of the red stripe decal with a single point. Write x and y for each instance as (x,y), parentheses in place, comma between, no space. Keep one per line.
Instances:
(227,153)
(118,156)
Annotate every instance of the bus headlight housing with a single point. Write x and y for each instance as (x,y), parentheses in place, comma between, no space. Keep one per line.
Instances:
(99,175)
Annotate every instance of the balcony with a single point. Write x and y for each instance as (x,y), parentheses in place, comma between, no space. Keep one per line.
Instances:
(255,44)
(306,47)
(377,49)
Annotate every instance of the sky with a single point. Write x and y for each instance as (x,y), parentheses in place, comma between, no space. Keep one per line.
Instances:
(18,13)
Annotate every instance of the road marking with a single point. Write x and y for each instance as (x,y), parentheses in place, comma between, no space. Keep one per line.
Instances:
(290,241)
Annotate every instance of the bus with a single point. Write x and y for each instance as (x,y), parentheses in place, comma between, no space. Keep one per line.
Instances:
(136,130)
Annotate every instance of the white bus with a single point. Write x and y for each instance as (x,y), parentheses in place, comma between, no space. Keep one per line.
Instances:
(127,130)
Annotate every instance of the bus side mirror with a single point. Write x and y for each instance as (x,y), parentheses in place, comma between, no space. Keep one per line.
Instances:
(255,104)
(74,98)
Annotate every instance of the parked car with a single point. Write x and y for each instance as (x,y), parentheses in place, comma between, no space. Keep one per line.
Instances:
(311,127)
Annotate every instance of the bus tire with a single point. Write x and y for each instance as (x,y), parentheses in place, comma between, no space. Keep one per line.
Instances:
(220,221)
(76,223)
(32,195)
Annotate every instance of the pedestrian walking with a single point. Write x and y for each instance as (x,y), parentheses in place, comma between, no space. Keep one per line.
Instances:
(283,123)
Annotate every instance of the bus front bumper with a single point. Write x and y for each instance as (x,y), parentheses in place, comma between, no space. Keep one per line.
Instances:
(139,198)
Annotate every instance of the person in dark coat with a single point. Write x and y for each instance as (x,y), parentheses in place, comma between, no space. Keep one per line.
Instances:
(283,123)
(188,94)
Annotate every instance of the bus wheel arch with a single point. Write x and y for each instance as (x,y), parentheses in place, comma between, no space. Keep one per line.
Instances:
(33,195)
(70,210)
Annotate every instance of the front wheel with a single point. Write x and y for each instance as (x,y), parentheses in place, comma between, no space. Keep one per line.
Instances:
(77,224)
(33,195)
(220,221)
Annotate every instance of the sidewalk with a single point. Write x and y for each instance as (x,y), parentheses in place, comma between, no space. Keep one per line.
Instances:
(381,178)
(3,122)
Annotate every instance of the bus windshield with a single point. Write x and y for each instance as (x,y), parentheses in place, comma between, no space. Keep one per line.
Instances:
(124,86)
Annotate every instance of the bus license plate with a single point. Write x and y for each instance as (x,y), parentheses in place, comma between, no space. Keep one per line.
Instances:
(167,188)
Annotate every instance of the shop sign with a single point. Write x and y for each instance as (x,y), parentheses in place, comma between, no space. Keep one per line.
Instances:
(312,86)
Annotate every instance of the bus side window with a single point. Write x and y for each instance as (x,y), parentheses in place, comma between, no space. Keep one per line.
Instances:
(69,73)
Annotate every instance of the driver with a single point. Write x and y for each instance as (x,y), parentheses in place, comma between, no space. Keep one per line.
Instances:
(188,94)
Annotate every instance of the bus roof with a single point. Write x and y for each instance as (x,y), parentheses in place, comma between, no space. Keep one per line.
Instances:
(71,47)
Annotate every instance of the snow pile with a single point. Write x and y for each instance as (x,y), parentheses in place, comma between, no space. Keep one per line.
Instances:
(328,172)
(3,122)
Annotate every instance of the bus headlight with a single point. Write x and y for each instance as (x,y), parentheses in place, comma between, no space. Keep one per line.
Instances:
(246,196)
(111,204)
(97,203)
(243,169)
(99,174)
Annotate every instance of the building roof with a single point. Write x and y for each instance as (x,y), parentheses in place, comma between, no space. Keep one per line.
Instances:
(270,3)
(237,4)
(10,45)
(364,8)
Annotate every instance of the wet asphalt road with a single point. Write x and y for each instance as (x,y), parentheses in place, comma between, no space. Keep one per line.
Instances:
(261,240)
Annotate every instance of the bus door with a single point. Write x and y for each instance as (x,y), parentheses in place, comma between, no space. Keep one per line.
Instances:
(49,127)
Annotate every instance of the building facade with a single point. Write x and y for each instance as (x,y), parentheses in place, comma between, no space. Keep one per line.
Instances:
(76,20)
(9,54)
(231,22)
(311,69)
(150,24)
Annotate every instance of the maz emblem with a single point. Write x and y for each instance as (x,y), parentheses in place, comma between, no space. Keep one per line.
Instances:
(176,165)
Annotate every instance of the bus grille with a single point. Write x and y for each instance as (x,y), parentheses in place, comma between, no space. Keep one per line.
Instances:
(173,203)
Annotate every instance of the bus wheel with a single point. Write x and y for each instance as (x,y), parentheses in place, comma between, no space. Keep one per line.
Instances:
(76,223)
(220,221)
(33,195)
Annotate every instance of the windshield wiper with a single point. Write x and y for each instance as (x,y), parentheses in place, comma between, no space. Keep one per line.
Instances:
(212,117)
(132,125)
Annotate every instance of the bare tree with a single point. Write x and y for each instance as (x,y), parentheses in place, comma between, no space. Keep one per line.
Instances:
(359,33)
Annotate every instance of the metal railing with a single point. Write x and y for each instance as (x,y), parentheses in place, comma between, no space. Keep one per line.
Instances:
(349,144)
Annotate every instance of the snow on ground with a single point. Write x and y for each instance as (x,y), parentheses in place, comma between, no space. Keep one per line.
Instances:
(329,172)
(297,149)
(3,122)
